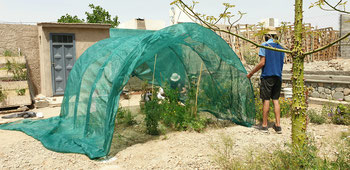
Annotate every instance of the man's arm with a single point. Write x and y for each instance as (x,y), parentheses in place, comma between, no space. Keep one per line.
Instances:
(257,67)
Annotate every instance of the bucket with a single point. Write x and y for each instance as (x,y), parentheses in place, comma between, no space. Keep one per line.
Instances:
(288,92)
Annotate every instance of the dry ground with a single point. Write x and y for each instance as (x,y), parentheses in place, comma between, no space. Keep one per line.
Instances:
(177,150)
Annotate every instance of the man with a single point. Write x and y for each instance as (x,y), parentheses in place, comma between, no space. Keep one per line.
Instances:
(271,63)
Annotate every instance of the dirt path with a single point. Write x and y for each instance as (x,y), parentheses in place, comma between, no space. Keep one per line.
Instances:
(178,150)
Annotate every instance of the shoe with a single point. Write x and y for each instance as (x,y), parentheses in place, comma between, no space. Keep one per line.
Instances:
(262,128)
(278,129)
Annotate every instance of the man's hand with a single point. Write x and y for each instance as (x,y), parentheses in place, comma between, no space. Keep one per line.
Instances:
(249,75)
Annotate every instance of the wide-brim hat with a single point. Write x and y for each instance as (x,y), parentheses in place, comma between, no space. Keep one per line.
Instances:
(175,77)
(271,30)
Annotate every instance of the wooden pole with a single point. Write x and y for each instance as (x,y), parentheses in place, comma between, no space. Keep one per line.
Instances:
(198,82)
(154,70)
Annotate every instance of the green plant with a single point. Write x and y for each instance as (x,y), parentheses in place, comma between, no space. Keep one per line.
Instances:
(315,117)
(293,157)
(124,116)
(21,92)
(152,116)
(176,111)
(341,115)
(17,69)
(2,95)
(8,53)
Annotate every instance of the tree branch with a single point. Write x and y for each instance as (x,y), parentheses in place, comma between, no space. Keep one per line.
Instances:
(225,31)
(334,7)
(328,45)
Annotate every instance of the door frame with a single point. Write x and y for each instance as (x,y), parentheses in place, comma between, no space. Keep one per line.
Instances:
(52,60)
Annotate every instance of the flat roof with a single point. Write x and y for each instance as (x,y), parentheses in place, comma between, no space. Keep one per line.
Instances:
(74,25)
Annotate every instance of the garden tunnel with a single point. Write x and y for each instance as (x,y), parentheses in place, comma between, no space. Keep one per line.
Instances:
(87,119)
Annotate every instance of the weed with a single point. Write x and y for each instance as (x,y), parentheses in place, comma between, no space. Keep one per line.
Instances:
(21,92)
(125,117)
(292,157)
(18,70)
(2,95)
(315,117)
(8,53)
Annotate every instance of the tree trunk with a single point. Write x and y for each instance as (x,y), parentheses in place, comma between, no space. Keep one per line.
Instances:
(299,105)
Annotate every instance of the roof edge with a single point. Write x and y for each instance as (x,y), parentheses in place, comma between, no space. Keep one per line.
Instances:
(74,25)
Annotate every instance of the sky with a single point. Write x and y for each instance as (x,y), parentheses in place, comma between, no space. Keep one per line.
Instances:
(33,11)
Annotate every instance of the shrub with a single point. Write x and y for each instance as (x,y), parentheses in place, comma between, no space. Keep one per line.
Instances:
(339,114)
(342,115)
(315,117)
(152,116)
(176,111)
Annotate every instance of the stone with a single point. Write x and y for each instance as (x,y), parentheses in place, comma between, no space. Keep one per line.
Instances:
(315,94)
(328,86)
(320,89)
(328,91)
(346,91)
(339,89)
(333,91)
(347,98)
(338,96)
(328,96)
(323,95)
(41,103)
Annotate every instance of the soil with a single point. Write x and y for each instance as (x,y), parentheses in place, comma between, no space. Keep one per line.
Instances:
(176,150)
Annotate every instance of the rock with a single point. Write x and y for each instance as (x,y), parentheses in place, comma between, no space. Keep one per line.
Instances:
(347,98)
(329,97)
(333,91)
(338,96)
(339,89)
(323,95)
(327,91)
(41,104)
(346,91)
(315,94)
(320,89)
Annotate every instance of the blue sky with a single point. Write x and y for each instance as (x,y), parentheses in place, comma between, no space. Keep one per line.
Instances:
(32,11)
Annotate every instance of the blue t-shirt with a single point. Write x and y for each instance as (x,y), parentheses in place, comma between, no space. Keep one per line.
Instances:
(273,60)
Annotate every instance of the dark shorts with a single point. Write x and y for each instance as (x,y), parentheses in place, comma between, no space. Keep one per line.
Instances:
(270,88)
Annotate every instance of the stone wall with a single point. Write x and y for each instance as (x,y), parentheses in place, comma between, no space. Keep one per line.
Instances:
(332,85)
(25,38)
(330,91)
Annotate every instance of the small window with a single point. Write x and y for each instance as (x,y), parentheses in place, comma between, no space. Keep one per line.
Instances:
(62,38)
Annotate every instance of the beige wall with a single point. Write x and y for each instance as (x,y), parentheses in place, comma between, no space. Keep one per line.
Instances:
(84,38)
(25,37)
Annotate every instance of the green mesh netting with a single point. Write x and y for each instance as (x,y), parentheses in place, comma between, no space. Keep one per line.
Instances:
(90,103)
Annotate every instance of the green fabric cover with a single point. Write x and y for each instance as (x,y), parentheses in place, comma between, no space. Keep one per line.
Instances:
(87,119)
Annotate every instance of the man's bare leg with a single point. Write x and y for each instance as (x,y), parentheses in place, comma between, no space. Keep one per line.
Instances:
(277,109)
(266,107)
